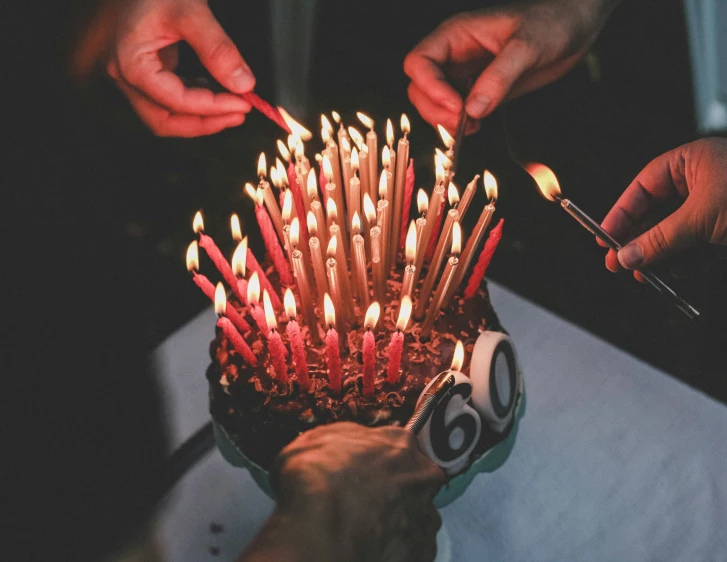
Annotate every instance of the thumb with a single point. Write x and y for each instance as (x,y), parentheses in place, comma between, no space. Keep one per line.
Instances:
(675,233)
(499,77)
(216,51)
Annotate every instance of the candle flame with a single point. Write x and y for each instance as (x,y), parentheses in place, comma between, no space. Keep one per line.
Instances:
(235,227)
(447,139)
(253,289)
(318,157)
(312,185)
(452,194)
(289,303)
(294,232)
(490,185)
(356,137)
(422,201)
(366,120)
(458,357)
(287,206)
(220,299)
(295,127)
(299,149)
(239,259)
(282,172)
(405,126)
(372,315)
(261,165)
(269,312)
(198,223)
(312,224)
(411,243)
(383,189)
(192,256)
(326,124)
(332,247)
(331,210)
(250,192)
(274,178)
(456,238)
(259,198)
(443,158)
(354,160)
(325,135)
(327,169)
(336,117)
(356,223)
(284,152)
(369,209)
(329,312)
(546,180)
(404,313)
(345,145)
(439,170)
(293,140)
(386,157)
(389,132)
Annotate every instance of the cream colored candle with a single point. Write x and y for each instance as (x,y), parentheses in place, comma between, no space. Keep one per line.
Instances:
(373,145)
(402,162)
(407,284)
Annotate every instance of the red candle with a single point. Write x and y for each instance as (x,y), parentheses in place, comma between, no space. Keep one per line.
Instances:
(434,238)
(332,351)
(484,260)
(228,329)
(266,109)
(408,192)
(270,238)
(253,302)
(396,346)
(369,349)
(254,266)
(296,343)
(278,352)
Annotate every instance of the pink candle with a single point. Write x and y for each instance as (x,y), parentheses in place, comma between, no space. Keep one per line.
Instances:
(332,351)
(277,350)
(272,244)
(219,260)
(296,343)
(408,192)
(396,346)
(484,260)
(209,289)
(237,340)
(253,302)
(369,349)
(254,266)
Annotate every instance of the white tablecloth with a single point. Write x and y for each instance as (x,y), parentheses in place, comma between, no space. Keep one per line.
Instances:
(615,460)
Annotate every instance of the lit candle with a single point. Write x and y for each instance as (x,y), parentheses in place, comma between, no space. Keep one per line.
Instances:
(396,346)
(296,343)
(295,128)
(383,220)
(272,245)
(316,252)
(214,253)
(354,186)
(475,237)
(467,196)
(331,151)
(337,275)
(402,185)
(355,230)
(239,265)
(269,197)
(286,214)
(407,284)
(359,260)
(317,209)
(224,324)
(253,265)
(208,288)
(275,342)
(278,184)
(483,262)
(332,346)
(347,171)
(422,206)
(438,258)
(301,280)
(300,208)
(448,141)
(333,190)
(365,168)
(391,178)
(369,349)
(376,261)
(445,283)
(434,234)
(435,204)
(372,144)
(253,302)
(341,129)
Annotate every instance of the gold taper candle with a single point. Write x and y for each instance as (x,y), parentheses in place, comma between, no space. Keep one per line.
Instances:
(445,283)
(336,242)
(373,146)
(269,198)
(354,205)
(316,252)
(467,196)
(303,283)
(402,162)
(359,260)
(383,220)
(435,204)
(407,283)
(347,172)
(334,286)
(376,264)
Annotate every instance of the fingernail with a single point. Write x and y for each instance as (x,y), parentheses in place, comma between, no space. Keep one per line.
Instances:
(631,256)
(477,106)
(242,80)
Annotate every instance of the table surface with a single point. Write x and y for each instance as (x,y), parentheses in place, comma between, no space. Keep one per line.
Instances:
(615,460)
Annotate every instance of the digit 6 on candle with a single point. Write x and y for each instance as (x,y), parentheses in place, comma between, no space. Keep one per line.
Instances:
(451,433)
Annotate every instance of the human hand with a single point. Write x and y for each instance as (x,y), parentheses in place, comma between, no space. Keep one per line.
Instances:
(508,50)
(694,176)
(368,492)
(145,54)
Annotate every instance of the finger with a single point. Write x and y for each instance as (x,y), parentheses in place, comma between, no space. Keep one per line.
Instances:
(494,84)
(163,123)
(424,66)
(430,111)
(216,50)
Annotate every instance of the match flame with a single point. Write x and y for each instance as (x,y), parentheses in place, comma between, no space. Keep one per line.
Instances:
(458,357)
(456,238)
(411,243)
(331,210)
(383,185)
(447,139)
(356,137)
(404,313)
(372,315)
(356,223)
(405,126)
(261,165)
(369,209)
(439,170)
(282,172)
(235,227)
(345,145)
(251,192)
(253,289)
(312,224)
(284,152)
(295,127)
(274,178)
(389,132)
(327,169)
(325,135)
(490,185)
(366,120)
(293,140)
(312,185)
(336,117)
(289,303)
(294,232)
(332,247)
(192,256)
(452,194)
(443,158)
(546,180)
(422,201)
(329,312)
(287,206)
(269,312)
(220,299)
(198,223)
(354,160)
(239,259)
(326,124)
(386,157)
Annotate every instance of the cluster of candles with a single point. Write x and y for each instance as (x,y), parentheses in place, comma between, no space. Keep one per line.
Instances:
(358,213)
